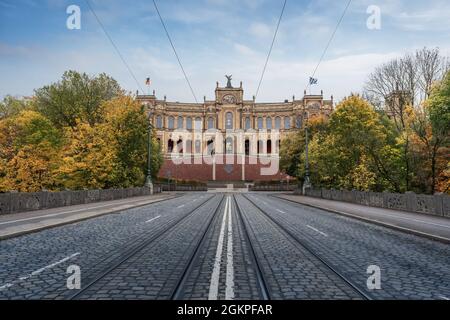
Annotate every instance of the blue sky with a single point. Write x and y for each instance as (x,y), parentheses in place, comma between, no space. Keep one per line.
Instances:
(214,38)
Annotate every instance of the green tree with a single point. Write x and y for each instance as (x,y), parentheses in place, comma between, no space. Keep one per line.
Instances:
(358,152)
(430,125)
(76,98)
(292,160)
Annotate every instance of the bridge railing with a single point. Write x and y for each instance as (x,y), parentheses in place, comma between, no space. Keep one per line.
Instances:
(21,202)
(438,204)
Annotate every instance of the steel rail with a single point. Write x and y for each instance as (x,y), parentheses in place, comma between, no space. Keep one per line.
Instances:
(311,251)
(133,251)
(177,292)
(260,277)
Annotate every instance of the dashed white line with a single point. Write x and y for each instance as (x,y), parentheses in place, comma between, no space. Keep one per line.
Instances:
(322,233)
(153,219)
(34,273)
(280,211)
(179,207)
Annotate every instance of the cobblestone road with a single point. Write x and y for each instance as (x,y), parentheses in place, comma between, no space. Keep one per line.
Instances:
(200,246)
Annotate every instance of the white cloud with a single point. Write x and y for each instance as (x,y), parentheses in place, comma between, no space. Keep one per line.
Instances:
(261,30)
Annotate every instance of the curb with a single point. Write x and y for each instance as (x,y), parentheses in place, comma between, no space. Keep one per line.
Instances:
(63,223)
(376,222)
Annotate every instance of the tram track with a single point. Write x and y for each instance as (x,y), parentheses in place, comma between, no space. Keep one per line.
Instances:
(137,245)
(302,245)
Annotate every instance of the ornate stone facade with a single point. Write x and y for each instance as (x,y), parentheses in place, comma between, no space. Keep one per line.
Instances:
(228,138)
(229,111)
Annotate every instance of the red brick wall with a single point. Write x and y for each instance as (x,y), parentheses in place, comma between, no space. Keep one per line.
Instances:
(224,171)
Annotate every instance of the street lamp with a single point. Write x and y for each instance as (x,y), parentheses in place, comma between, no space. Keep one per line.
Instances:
(307,182)
(148,180)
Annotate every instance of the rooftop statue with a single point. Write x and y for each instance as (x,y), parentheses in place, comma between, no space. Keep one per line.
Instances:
(229,81)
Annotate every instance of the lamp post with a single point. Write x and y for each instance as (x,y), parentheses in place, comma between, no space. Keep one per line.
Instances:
(148,180)
(307,182)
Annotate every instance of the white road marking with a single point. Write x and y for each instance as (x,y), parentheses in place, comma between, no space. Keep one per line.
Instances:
(214,285)
(34,273)
(65,212)
(322,233)
(153,219)
(280,211)
(179,207)
(229,287)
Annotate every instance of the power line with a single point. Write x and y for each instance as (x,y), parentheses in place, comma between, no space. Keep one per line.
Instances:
(175,51)
(113,44)
(270,50)
(329,41)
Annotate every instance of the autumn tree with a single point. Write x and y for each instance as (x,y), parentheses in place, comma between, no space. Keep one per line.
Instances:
(112,153)
(29,148)
(431,128)
(293,147)
(11,106)
(357,152)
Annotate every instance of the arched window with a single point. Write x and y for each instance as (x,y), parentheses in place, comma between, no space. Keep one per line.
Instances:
(268,123)
(287,123)
(159,122)
(171,123)
(229,120)
(229,145)
(210,147)
(248,124)
(260,146)
(180,146)
(198,124)
(198,146)
(260,123)
(298,122)
(210,123)
(189,123)
(180,123)
(188,146)
(269,146)
(247,147)
(170,146)
(278,123)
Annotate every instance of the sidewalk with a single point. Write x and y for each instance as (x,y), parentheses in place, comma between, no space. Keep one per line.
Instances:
(433,227)
(13,225)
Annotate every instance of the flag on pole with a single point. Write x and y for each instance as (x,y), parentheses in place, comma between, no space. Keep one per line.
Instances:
(312,81)
(148,82)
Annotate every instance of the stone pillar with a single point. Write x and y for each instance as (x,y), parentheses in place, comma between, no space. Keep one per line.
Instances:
(243,166)
(411,201)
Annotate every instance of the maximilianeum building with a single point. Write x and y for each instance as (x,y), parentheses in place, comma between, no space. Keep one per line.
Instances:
(228,138)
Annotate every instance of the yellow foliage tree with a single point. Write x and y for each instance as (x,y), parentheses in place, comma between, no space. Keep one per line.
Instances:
(29,147)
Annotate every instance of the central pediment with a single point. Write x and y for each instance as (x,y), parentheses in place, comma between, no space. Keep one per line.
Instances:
(229,95)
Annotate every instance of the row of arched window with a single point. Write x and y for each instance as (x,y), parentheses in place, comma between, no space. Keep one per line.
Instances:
(228,146)
(229,123)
